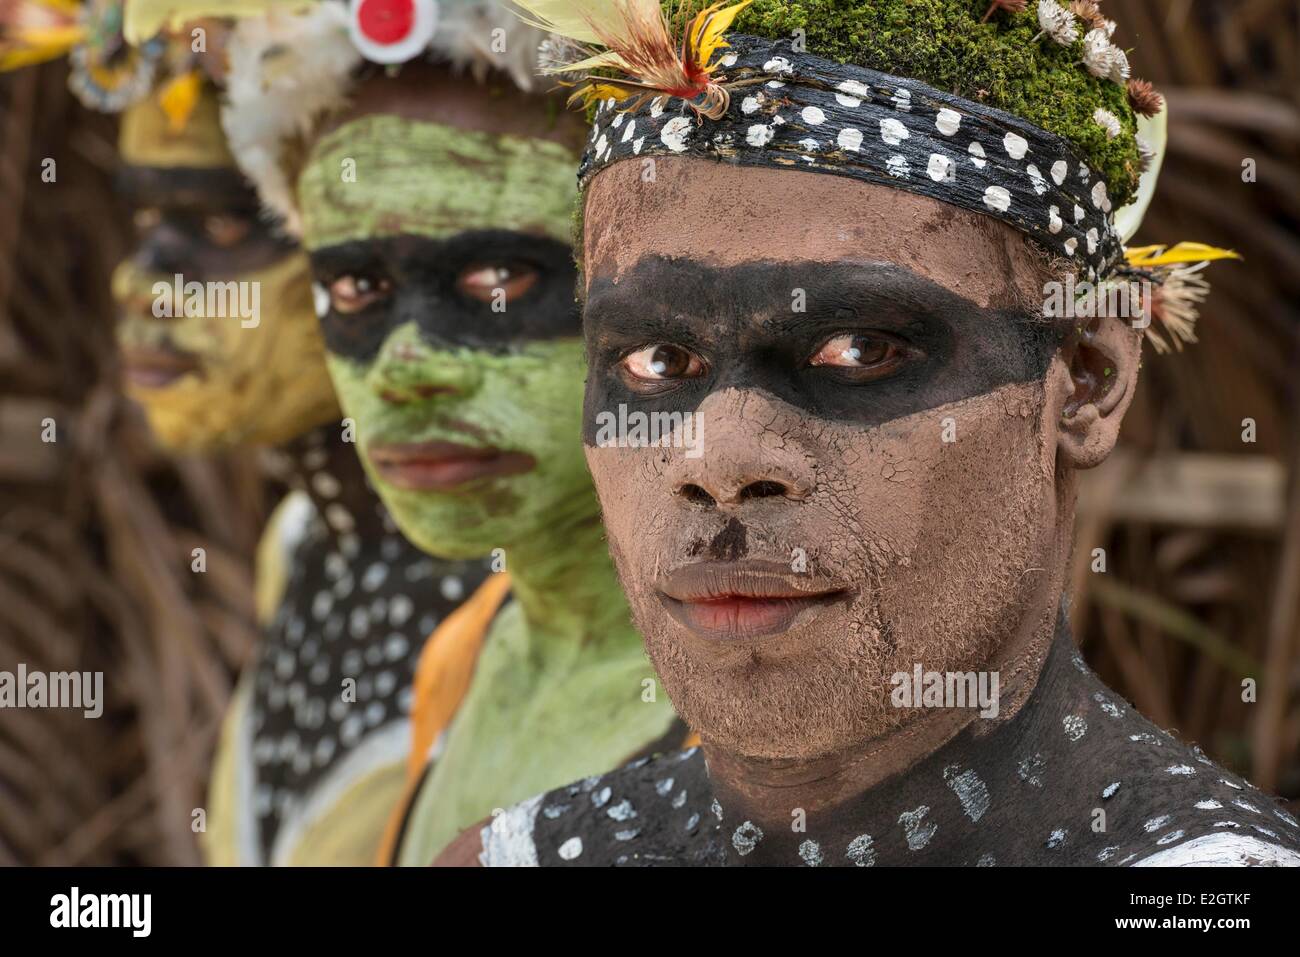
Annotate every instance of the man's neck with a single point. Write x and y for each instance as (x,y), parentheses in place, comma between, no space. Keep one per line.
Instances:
(835,795)
(565,583)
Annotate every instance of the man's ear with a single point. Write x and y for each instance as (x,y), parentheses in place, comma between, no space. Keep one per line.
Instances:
(1103,365)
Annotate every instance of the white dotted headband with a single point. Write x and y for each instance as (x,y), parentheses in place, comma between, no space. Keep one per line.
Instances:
(796,110)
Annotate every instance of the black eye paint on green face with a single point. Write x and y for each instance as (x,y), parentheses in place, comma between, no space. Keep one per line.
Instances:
(204,224)
(917,344)
(487,290)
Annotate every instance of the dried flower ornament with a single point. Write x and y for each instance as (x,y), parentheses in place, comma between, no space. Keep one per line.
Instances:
(1057,22)
(1144,99)
(1011,6)
(1107,121)
(1103,59)
(1089,13)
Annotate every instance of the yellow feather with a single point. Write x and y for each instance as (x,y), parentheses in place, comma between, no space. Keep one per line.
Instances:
(1152,256)
(178,99)
(31,45)
(584,20)
(709,25)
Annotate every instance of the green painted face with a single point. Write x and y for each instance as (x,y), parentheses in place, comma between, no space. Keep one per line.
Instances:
(445,290)
(525,403)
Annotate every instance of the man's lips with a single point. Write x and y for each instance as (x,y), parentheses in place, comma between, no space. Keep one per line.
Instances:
(153,368)
(443,466)
(743,599)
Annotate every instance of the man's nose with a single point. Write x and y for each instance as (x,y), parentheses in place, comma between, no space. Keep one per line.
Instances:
(409,370)
(751,451)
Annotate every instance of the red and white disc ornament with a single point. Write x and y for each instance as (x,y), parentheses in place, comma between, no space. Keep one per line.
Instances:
(392,31)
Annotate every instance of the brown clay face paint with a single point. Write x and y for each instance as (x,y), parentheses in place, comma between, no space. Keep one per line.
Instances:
(876,483)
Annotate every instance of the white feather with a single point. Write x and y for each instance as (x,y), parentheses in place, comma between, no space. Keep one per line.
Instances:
(289,71)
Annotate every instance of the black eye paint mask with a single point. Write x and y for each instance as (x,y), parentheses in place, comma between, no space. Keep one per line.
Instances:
(180,242)
(741,321)
(422,275)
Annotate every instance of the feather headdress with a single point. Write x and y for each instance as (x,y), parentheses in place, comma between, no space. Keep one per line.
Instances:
(33,31)
(1178,288)
(635,37)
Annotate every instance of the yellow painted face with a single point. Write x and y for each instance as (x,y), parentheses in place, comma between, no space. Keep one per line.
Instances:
(218,331)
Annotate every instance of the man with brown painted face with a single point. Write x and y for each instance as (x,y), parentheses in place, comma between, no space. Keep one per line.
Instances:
(854,590)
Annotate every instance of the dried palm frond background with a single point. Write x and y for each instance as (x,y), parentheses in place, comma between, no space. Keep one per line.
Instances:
(1200,529)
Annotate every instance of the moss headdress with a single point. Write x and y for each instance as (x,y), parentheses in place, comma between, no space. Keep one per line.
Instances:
(1024,112)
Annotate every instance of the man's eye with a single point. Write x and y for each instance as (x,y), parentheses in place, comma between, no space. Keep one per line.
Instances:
(496,282)
(349,294)
(225,230)
(860,355)
(662,362)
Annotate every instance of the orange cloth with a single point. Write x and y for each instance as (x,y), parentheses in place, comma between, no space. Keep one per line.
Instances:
(442,677)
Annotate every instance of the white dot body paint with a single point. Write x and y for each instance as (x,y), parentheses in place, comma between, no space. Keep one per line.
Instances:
(918,833)
(778,64)
(746,838)
(813,116)
(320,298)
(1075,726)
(892,131)
(1071,245)
(860,851)
(759,135)
(849,139)
(1054,223)
(749,105)
(1059,171)
(1015,145)
(970,790)
(997,197)
(811,853)
(902,100)
(948,121)
(897,166)
(976,155)
(571,848)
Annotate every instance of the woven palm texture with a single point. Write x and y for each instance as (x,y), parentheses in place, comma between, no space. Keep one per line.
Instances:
(1201,531)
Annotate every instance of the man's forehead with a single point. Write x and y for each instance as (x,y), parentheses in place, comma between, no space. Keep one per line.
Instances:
(204,189)
(731,215)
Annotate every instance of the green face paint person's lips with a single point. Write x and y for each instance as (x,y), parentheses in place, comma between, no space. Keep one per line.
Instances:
(443,466)
(154,368)
(746,599)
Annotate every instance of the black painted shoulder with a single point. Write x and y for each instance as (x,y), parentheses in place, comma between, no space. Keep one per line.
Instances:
(653,812)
